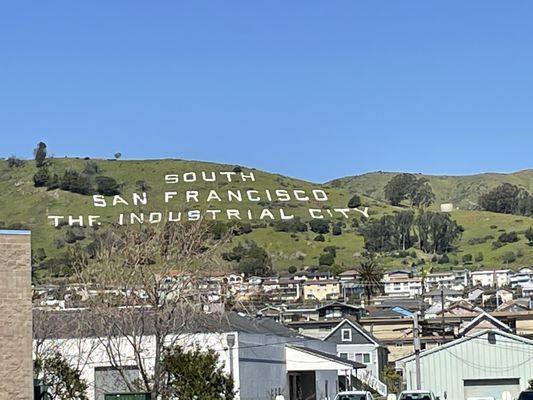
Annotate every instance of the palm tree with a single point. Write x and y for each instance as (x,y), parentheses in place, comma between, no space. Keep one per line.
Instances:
(371,275)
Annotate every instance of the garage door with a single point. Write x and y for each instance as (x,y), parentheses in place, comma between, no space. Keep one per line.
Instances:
(491,388)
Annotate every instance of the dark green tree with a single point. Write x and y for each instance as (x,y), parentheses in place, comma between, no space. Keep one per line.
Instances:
(73,181)
(40,154)
(508,257)
(404,223)
(319,226)
(503,199)
(355,201)
(421,194)
(41,177)
(326,259)
(399,187)
(64,381)
(107,186)
(196,374)
(250,259)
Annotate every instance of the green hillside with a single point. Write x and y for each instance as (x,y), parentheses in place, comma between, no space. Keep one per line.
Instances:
(462,191)
(23,205)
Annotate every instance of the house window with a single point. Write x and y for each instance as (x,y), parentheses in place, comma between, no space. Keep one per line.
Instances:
(343,355)
(346,335)
(364,358)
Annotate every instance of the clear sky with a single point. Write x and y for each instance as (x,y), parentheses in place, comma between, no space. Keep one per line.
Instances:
(311,89)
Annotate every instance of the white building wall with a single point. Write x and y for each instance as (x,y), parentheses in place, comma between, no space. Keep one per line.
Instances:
(325,379)
(86,354)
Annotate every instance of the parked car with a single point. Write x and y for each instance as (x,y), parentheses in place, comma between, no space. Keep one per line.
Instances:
(526,395)
(417,395)
(354,395)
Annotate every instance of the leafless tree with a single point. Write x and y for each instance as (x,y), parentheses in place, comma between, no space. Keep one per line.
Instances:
(142,291)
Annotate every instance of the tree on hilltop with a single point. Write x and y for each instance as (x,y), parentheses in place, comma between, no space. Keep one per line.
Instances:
(40,154)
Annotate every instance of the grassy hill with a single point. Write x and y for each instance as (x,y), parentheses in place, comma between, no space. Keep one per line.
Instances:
(21,204)
(462,191)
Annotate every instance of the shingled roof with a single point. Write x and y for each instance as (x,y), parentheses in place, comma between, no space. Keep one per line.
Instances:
(81,323)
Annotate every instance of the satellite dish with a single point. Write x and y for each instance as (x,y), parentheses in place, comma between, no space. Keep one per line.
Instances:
(507,395)
(391,396)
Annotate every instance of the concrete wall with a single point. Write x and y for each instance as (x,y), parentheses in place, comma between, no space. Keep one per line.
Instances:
(16,370)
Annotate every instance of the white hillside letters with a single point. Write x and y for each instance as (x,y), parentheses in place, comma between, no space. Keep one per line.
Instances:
(212,195)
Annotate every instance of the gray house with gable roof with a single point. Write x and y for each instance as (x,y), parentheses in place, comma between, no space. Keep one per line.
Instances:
(356,344)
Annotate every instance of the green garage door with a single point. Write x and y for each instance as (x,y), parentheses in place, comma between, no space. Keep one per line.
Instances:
(491,388)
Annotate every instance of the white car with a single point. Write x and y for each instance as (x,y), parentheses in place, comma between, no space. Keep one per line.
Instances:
(416,395)
(354,395)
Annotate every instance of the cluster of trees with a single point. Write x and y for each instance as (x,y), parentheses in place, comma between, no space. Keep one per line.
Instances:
(249,259)
(86,182)
(416,190)
(507,199)
(76,182)
(431,232)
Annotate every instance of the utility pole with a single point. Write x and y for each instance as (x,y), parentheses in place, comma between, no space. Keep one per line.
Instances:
(416,345)
(442,311)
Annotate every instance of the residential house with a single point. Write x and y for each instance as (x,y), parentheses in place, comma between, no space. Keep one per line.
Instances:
(321,289)
(283,289)
(527,289)
(522,276)
(406,287)
(483,322)
(355,343)
(493,278)
(397,274)
(449,295)
(349,275)
(439,279)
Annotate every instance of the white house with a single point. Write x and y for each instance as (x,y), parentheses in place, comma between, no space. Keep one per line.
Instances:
(523,276)
(438,279)
(403,287)
(263,357)
(527,290)
(497,277)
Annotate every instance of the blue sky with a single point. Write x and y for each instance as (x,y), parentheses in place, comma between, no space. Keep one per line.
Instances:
(311,89)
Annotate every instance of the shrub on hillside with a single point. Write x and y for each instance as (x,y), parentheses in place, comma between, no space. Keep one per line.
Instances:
(41,177)
(107,186)
(319,226)
(510,237)
(319,238)
(354,202)
(14,162)
(326,259)
(73,181)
